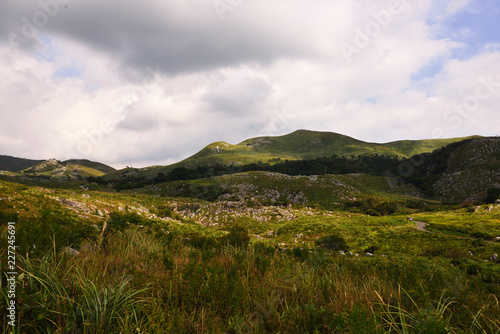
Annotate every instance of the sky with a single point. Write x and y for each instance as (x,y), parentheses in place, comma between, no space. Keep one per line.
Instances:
(140,83)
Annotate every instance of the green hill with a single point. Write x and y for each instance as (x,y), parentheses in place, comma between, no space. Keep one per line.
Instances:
(70,169)
(13,164)
(298,145)
(90,164)
(304,144)
(459,170)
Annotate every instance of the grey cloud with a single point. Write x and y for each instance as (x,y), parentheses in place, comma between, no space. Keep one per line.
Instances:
(238,95)
(177,38)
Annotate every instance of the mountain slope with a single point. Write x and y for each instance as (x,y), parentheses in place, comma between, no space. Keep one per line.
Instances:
(298,145)
(458,170)
(90,164)
(13,164)
(410,148)
(303,144)
(70,169)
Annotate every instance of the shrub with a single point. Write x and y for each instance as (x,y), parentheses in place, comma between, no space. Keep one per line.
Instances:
(492,195)
(164,212)
(53,230)
(201,241)
(261,248)
(371,249)
(332,242)
(237,237)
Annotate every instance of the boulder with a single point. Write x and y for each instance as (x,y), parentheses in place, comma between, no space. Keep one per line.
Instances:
(71,251)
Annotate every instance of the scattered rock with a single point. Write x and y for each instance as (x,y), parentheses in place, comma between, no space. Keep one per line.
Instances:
(300,235)
(341,252)
(497,238)
(368,254)
(471,254)
(71,251)
(494,258)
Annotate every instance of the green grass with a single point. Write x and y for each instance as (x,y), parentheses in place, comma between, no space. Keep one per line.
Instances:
(410,148)
(182,265)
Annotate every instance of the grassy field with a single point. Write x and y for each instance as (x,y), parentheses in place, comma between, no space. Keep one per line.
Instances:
(260,261)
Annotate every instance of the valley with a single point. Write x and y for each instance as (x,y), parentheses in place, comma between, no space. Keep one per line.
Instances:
(250,238)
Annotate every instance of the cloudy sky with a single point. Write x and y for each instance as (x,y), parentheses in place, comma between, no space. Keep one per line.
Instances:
(138,83)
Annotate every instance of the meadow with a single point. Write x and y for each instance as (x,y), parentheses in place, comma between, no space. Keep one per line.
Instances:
(149,263)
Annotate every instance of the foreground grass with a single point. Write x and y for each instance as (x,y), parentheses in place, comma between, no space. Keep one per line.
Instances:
(248,272)
(145,284)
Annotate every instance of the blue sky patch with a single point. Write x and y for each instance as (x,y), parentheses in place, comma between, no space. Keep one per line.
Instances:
(67,72)
(475,27)
(427,72)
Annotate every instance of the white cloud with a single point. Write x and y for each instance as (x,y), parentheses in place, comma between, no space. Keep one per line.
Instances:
(161,80)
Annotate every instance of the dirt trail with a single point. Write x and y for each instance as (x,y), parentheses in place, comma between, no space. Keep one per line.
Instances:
(421,226)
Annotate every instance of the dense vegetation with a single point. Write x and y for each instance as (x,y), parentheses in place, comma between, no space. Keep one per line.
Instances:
(13,164)
(150,264)
(368,164)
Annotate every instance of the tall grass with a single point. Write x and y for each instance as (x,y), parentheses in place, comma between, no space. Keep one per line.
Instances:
(142,283)
(62,294)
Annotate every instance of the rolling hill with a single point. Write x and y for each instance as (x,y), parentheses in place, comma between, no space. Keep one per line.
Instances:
(13,164)
(52,168)
(298,145)
(459,170)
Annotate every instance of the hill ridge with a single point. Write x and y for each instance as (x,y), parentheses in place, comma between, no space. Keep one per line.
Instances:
(297,145)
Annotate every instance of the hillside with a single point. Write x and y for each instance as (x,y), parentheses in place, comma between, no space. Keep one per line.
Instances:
(13,164)
(70,169)
(459,170)
(301,144)
(304,144)
(90,164)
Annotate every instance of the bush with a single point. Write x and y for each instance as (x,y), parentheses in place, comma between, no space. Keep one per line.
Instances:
(334,242)
(478,243)
(261,248)
(164,212)
(371,249)
(200,241)
(385,208)
(54,230)
(237,237)
(492,195)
